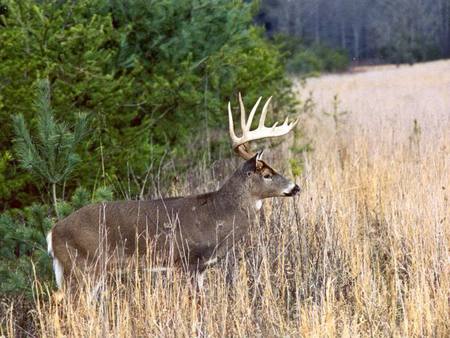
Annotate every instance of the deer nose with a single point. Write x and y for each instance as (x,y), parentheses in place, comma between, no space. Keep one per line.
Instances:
(295,190)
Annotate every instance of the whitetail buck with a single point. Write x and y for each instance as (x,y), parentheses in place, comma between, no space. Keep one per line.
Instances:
(191,231)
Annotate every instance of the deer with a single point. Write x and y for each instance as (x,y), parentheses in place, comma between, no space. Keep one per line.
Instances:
(193,232)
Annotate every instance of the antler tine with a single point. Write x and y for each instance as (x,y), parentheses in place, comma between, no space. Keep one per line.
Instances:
(252,114)
(233,136)
(262,119)
(241,105)
(293,123)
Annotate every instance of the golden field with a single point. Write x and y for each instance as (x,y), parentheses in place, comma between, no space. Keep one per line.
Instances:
(362,252)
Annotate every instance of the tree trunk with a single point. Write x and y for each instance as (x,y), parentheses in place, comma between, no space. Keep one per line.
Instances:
(356,42)
(317,24)
(446,33)
(55,204)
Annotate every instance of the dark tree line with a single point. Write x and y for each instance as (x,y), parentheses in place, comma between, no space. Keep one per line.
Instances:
(387,30)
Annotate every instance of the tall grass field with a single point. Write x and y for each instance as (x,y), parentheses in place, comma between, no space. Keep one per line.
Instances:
(363,251)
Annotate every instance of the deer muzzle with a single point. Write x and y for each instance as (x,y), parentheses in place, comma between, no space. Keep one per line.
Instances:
(294,191)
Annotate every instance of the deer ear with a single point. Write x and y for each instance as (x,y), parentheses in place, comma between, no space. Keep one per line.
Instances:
(250,165)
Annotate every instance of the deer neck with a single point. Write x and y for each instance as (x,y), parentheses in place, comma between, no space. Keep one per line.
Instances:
(235,195)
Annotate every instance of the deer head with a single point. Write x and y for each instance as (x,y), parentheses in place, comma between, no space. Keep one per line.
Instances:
(261,180)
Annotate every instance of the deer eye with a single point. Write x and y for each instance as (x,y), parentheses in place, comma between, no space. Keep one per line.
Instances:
(267,176)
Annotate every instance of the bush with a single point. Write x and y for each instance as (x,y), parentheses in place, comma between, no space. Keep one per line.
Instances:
(305,62)
(311,59)
(334,60)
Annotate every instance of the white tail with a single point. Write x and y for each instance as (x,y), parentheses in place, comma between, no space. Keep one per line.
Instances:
(57,266)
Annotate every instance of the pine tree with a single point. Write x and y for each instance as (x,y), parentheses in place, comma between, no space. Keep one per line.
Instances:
(51,155)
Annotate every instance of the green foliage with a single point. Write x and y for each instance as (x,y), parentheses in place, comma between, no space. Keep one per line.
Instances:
(296,167)
(333,59)
(337,114)
(39,40)
(316,59)
(22,245)
(13,183)
(80,198)
(305,62)
(51,155)
(102,194)
(154,76)
(311,59)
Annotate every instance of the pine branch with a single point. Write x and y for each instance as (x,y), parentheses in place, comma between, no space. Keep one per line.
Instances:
(52,155)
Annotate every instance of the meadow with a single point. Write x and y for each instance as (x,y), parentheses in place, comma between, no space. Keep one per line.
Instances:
(362,251)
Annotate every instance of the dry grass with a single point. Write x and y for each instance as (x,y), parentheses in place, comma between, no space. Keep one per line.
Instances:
(364,251)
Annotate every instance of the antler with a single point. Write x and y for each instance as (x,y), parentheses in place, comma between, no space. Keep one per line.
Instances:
(240,143)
